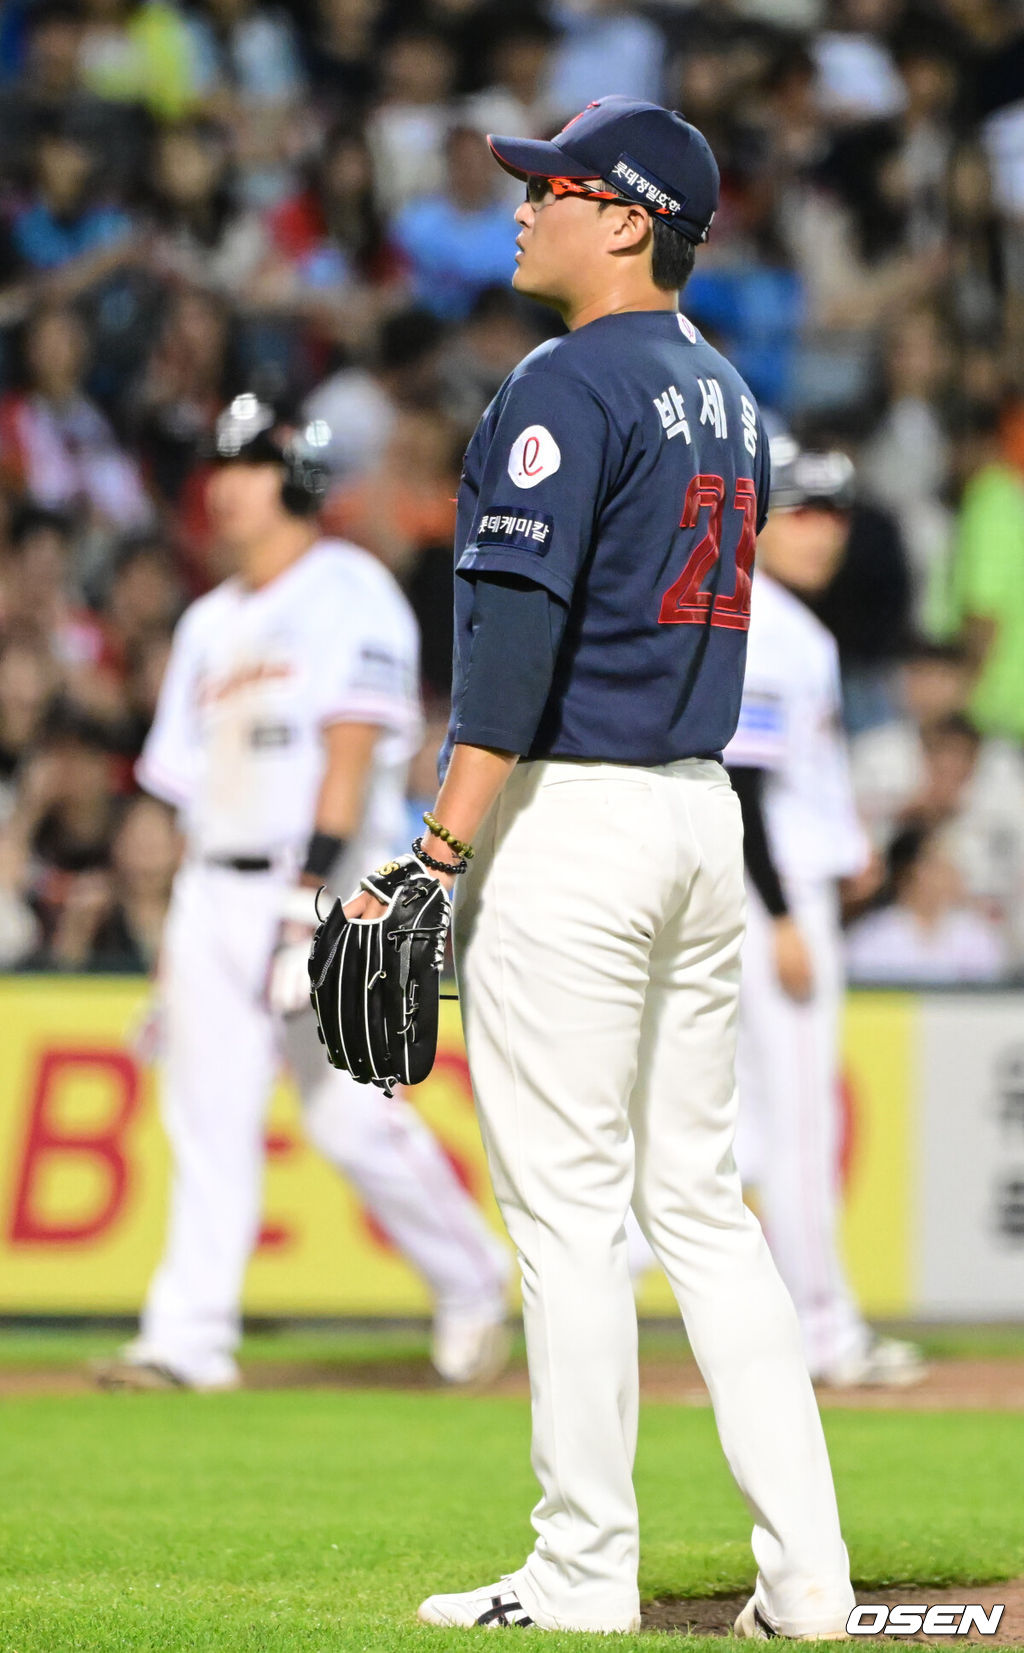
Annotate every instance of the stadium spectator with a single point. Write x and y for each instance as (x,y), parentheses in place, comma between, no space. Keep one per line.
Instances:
(999,96)
(463,238)
(605,47)
(145,661)
(138,52)
(144,595)
(753,297)
(359,403)
(56,446)
(867,609)
(711,88)
(28,687)
(950,749)
(498,332)
(988,574)
(905,466)
(888,761)
(333,261)
(19,927)
(951,781)
(39,601)
(59,830)
(407,128)
(342,57)
(846,229)
(48,80)
(65,234)
(927,135)
(406,501)
(928,933)
(48,91)
(515,97)
(249,74)
(181,388)
(858,78)
(113,920)
(785,116)
(200,237)
(978,249)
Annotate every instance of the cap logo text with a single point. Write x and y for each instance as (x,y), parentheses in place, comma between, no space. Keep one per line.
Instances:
(638,181)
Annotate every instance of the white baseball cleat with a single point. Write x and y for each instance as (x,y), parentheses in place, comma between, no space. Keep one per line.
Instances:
(470,1348)
(886,1363)
(135,1368)
(496,1606)
(751,1625)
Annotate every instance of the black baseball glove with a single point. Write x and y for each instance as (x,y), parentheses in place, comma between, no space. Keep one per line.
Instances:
(375,982)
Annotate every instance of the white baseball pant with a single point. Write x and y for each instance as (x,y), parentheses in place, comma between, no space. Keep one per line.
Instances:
(787,1143)
(597,945)
(222,1054)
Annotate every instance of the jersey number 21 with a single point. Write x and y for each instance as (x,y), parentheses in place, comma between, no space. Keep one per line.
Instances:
(684,603)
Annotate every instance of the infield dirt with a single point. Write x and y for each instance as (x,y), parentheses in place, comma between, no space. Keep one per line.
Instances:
(994,1384)
(714,1615)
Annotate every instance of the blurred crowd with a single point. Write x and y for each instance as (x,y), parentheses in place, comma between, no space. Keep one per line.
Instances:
(200,196)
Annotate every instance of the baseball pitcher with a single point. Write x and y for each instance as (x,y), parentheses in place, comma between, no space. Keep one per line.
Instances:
(607,520)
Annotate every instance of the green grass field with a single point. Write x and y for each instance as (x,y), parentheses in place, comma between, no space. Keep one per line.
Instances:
(312,1520)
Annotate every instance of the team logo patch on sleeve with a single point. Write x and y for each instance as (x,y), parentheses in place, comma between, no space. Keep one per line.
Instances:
(763,714)
(535,455)
(379,669)
(516,530)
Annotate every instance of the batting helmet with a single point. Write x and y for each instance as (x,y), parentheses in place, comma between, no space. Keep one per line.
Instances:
(808,476)
(249,432)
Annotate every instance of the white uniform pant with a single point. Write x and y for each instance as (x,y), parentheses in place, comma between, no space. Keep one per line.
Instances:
(222,1052)
(597,944)
(787,1143)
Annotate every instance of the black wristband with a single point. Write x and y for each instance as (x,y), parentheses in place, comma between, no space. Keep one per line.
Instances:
(323,850)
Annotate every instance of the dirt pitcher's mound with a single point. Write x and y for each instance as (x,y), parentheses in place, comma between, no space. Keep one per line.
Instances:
(714,1615)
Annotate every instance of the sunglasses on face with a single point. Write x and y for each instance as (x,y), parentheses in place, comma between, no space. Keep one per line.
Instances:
(538,189)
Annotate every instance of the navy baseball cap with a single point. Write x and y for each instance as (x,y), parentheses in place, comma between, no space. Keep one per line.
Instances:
(644,152)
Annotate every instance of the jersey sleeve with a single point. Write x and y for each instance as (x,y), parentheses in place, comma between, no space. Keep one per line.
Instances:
(762,733)
(166,766)
(373,670)
(543,478)
(760,738)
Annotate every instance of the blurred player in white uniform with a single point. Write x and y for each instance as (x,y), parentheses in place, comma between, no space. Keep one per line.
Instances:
(285,725)
(802,839)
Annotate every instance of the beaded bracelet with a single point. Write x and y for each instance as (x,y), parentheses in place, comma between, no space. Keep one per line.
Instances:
(436,866)
(447,837)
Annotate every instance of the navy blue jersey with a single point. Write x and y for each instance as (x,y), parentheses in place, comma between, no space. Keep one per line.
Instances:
(624,468)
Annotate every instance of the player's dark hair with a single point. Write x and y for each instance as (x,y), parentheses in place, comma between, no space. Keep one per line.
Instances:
(672,257)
